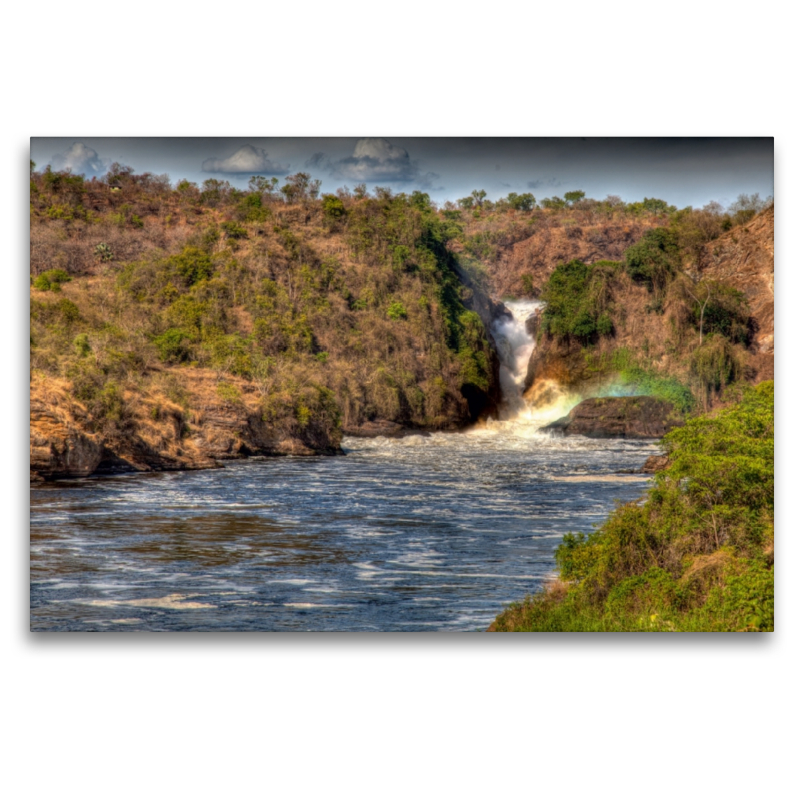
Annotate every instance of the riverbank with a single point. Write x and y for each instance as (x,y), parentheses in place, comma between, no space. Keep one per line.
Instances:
(696,555)
(421,533)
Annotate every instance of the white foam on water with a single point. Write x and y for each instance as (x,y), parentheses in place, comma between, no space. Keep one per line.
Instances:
(172,602)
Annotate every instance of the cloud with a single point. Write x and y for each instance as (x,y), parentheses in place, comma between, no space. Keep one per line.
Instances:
(80,160)
(317,160)
(248,160)
(544,183)
(376,160)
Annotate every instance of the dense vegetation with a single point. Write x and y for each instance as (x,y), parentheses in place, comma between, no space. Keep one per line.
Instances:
(696,555)
(337,309)
(695,344)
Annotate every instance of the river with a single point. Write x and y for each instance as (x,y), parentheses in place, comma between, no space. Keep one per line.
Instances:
(424,533)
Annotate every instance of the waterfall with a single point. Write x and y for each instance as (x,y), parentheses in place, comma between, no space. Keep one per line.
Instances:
(514,345)
(546,401)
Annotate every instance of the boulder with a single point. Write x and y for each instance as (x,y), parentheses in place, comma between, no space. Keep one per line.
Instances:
(655,464)
(639,417)
(60,444)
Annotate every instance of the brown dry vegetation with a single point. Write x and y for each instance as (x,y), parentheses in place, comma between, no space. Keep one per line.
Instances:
(520,250)
(306,317)
(709,325)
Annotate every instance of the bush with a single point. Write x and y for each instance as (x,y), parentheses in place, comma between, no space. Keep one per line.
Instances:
(577,297)
(654,259)
(173,345)
(51,280)
(332,207)
(726,312)
(696,555)
(192,265)
(397,311)
(717,364)
(82,346)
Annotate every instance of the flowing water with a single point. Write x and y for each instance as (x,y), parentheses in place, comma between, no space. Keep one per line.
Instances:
(423,533)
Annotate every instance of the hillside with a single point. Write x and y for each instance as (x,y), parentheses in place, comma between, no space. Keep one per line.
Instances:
(177,326)
(745,259)
(519,250)
(676,316)
(174,327)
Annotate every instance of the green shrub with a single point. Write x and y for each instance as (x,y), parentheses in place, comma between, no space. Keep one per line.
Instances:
(51,280)
(577,297)
(192,265)
(695,555)
(82,346)
(654,259)
(332,207)
(724,310)
(233,230)
(717,364)
(103,252)
(397,311)
(173,345)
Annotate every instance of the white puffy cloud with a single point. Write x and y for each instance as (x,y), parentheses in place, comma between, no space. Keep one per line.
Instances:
(247,159)
(376,160)
(80,160)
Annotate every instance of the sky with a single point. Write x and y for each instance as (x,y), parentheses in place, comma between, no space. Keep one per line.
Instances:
(682,171)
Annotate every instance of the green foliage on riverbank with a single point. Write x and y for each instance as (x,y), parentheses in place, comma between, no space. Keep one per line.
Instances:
(696,555)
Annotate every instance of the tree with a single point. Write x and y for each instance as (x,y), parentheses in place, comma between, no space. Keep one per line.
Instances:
(258,183)
(574,197)
(478,196)
(421,200)
(300,187)
(521,202)
(332,206)
(654,259)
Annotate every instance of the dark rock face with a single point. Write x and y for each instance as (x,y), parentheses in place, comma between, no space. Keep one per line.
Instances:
(639,417)
(60,444)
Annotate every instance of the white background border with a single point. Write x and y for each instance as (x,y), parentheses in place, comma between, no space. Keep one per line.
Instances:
(119,716)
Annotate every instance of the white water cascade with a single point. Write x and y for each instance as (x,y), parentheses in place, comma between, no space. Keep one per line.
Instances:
(515,346)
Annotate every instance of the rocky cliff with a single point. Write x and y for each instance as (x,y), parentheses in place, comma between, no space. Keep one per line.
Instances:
(660,336)
(745,259)
(152,432)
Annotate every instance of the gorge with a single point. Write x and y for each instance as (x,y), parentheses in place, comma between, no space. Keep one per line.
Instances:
(175,331)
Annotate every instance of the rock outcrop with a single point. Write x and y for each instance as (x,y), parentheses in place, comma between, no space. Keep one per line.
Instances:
(61,445)
(745,259)
(655,464)
(639,417)
(156,433)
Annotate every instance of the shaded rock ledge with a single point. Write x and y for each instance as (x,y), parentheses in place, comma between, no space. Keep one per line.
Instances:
(639,417)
